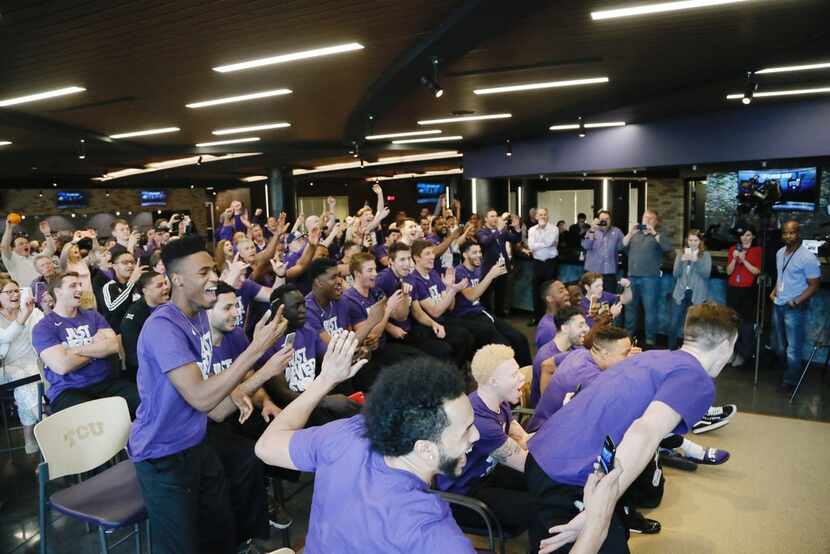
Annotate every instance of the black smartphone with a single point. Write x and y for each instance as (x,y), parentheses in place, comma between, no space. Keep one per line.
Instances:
(606,456)
(642,227)
(289,340)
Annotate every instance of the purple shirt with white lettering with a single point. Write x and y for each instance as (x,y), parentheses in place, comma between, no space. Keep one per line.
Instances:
(245,296)
(607,300)
(390,283)
(363,506)
(464,307)
(233,344)
(165,423)
(358,306)
(493,428)
(424,288)
(574,371)
(54,329)
(303,367)
(616,398)
(334,317)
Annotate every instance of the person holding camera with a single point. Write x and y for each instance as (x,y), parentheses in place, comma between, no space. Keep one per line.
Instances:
(743,266)
(691,282)
(799,277)
(646,246)
(493,238)
(602,244)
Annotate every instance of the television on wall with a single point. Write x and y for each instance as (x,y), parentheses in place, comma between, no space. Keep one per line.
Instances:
(153,197)
(791,190)
(71,199)
(428,193)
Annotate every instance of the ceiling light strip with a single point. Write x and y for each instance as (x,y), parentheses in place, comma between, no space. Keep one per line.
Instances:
(40,96)
(255,178)
(224,142)
(240,98)
(661,7)
(145,133)
(382,161)
(252,128)
(294,56)
(5,142)
(544,85)
(598,125)
(169,164)
(465,118)
(403,134)
(415,175)
(788,68)
(771,93)
(431,139)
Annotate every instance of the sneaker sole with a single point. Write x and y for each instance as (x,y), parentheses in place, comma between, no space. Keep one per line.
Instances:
(711,427)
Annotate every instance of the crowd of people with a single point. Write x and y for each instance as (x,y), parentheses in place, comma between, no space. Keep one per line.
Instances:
(377,354)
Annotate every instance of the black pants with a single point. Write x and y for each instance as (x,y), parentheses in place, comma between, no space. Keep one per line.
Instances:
(456,347)
(496,296)
(505,492)
(206,499)
(103,389)
(389,353)
(555,506)
(494,331)
(744,301)
(543,271)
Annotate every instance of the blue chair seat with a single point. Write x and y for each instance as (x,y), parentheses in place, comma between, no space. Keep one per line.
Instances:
(110,499)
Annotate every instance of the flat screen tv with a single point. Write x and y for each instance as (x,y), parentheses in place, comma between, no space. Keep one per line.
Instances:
(153,197)
(428,193)
(792,190)
(71,199)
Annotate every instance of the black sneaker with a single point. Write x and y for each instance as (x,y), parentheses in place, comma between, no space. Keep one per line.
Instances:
(637,523)
(721,412)
(673,458)
(706,425)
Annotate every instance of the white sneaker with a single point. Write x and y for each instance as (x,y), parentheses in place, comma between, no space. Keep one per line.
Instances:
(31,447)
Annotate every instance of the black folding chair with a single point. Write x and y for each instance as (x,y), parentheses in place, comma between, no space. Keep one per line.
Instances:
(490,528)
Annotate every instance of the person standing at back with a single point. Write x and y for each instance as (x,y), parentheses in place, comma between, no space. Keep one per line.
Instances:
(543,242)
(602,244)
(743,266)
(493,238)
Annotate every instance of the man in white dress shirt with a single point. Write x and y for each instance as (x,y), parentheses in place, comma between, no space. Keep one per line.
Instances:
(543,240)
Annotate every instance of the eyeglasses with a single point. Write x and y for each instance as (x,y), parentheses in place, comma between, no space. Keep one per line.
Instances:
(10,292)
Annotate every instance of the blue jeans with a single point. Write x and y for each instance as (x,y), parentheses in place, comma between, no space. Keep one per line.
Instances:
(644,292)
(678,318)
(789,332)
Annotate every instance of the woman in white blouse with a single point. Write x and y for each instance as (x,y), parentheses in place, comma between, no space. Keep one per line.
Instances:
(18,358)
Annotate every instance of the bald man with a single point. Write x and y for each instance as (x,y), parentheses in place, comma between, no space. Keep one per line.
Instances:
(799,277)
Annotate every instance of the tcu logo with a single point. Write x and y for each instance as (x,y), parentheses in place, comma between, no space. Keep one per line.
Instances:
(78,336)
(82,432)
(434,294)
(207,354)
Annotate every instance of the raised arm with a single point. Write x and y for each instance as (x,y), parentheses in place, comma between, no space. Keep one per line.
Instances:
(6,242)
(474,293)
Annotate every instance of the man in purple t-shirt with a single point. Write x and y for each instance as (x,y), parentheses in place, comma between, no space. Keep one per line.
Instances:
(572,329)
(495,465)
(373,471)
(556,298)
(636,403)
(179,470)
(599,303)
(75,345)
(468,312)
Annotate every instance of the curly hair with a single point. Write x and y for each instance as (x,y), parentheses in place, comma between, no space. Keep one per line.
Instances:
(407,404)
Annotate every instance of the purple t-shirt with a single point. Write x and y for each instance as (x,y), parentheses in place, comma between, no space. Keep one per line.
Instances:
(233,344)
(334,317)
(615,399)
(165,423)
(71,331)
(464,307)
(303,367)
(605,301)
(493,429)
(358,306)
(363,506)
(389,283)
(576,370)
(545,330)
(543,354)
(426,288)
(245,296)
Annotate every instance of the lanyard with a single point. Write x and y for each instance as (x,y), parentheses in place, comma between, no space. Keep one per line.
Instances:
(783,269)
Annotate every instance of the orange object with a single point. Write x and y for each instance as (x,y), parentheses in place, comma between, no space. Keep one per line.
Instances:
(358,397)
(14,218)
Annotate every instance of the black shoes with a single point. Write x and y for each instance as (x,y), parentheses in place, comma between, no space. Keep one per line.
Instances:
(637,523)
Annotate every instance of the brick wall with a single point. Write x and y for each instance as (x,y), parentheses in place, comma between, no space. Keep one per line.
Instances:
(666,197)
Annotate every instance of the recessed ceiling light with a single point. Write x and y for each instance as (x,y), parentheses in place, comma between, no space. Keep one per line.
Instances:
(5,142)
(430,139)
(646,9)
(294,56)
(405,134)
(255,178)
(538,86)
(263,127)
(240,98)
(40,96)
(794,92)
(574,126)
(788,68)
(464,118)
(223,142)
(145,133)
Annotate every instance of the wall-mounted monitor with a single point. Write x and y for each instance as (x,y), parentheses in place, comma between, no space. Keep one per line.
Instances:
(428,193)
(153,197)
(71,199)
(792,190)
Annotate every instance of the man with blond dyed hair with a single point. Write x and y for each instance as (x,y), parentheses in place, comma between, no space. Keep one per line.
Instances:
(495,464)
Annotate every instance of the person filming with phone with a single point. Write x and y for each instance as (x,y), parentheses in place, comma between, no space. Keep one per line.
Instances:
(602,244)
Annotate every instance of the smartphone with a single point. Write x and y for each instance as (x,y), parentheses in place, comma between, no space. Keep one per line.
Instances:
(289,340)
(642,227)
(25,295)
(606,456)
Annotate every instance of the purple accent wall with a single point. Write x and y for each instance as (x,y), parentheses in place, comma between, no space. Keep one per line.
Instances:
(743,133)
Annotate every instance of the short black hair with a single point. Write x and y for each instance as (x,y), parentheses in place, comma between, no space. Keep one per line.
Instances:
(278,294)
(565,314)
(406,404)
(175,250)
(603,334)
(146,277)
(466,245)
(116,252)
(224,288)
(320,266)
(581,216)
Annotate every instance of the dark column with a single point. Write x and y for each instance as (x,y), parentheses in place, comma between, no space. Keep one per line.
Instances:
(281,193)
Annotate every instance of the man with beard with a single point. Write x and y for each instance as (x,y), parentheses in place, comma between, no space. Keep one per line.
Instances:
(155,291)
(556,297)
(183,482)
(305,364)
(442,239)
(572,328)
(469,313)
(495,465)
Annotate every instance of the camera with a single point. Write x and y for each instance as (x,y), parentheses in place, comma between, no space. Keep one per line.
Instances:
(603,223)
(642,227)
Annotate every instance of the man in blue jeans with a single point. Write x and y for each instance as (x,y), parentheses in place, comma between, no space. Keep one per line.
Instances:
(799,275)
(645,246)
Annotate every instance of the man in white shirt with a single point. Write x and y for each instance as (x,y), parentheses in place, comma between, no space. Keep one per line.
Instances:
(543,240)
(17,255)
